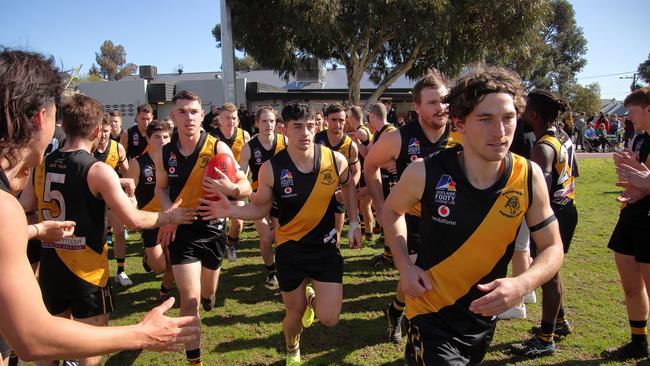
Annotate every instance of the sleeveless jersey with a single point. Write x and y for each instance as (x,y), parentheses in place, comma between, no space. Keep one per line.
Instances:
(562,179)
(259,155)
(415,144)
(145,191)
(77,264)
(235,142)
(370,136)
(639,212)
(111,154)
(467,236)
(305,201)
(136,143)
(344,146)
(388,179)
(116,138)
(4,182)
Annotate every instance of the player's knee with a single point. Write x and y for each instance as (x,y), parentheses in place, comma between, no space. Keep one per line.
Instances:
(328,320)
(157,266)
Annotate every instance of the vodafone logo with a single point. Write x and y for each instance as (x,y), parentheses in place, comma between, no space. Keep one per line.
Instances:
(149,179)
(172,170)
(288,190)
(443,211)
(414,157)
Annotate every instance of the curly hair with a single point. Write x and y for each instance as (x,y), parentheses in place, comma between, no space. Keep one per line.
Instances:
(480,81)
(295,111)
(546,105)
(28,83)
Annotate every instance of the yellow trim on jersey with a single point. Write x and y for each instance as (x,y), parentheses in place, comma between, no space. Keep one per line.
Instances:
(193,188)
(152,206)
(39,190)
(279,145)
(315,206)
(345,147)
(365,128)
(457,274)
(113,157)
(238,144)
(87,264)
(455,138)
(565,176)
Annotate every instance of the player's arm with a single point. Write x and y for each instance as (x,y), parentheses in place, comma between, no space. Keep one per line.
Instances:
(124,138)
(382,151)
(259,208)
(247,136)
(504,293)
(162,181)
(244,157)
(240,189)
(133,172)
(544,155)
(361,137)
(55,337)
(123,165)
(349,195)
(354,163)
(406,193)
(104,182)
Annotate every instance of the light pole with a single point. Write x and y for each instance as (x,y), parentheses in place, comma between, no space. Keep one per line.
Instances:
(227,54)
(634,78)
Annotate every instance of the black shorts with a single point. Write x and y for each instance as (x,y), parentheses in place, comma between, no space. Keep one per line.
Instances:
(5,349)
(199,243)
(429,343)
(34,251)
(412,233)
(274,210)
(295,262)
(82,306)
(339,208)
(567,220)
(150,238)
(630,238)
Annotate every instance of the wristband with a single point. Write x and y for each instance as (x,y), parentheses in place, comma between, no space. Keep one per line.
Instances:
(35,227)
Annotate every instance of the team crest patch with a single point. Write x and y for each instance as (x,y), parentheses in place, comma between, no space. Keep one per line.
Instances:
(512,206)
(328,179)
(204,160)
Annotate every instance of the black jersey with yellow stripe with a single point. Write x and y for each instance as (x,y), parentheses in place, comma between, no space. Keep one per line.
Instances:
(111,154)
(388,179)
(344,146)
(467,235)
(305,201)
(136,142)
(77,264)
(639,212)
(259,154)
(368,133)
(145,191)
(235,142)
(562,178)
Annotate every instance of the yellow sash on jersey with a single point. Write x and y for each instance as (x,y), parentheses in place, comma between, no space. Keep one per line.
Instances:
(86,264)
(152,206)
(193,188)
(315,206)
(455,276)
(113,157)
(565,175)
(365,128)
(238,144)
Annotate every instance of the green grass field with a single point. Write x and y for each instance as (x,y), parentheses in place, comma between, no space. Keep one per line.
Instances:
(245,327)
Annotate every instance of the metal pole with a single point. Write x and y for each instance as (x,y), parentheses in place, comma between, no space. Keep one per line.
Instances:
(227,54)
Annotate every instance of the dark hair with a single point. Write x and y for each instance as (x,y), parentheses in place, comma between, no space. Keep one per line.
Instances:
(295,111)
(334,108)
(115,113)
(639,97)
(546,105)
(81,115)
(432,79)
(28,82)
(473,86)
(106,120)
(186,95)
(146,108)
(158,126)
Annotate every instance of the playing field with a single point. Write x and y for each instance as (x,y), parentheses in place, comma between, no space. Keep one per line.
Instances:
(245,327)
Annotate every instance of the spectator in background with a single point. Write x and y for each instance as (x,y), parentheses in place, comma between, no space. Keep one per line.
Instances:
(601,135)
(401,120)
(629,132)
(593,118)
(319,121)
(614,125)
(209,118)
(247,119)
(602,120)
(392,113)
(578,128)
(589,137)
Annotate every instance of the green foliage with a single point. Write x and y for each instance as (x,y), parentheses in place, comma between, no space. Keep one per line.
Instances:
(385,38)
(112,61)
(644,70)
(584,98)
(247,63)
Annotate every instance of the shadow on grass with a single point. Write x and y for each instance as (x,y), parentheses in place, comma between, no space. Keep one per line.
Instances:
(123,358)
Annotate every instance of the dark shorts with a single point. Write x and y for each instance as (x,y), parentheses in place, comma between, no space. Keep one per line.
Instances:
(5,350)
(629,238)
(567,220)
(412,233)
(274,210)
(295,262)
(34,251)
(199,243)
(339,208)
(430,344)
(150,238)
(82,306)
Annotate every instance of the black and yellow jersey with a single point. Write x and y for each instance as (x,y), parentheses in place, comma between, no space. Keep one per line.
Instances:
(467,236)
(235,142)
(77,264)
(4,182)
(305,201)
(344,146)
(415,144)
(259,154)
(136,142)
(111,154)
(145,191)
(562,178)
(368,133)
(388,179)
(639,212)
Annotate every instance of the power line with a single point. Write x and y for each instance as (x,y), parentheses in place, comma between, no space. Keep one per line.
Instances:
(606,75)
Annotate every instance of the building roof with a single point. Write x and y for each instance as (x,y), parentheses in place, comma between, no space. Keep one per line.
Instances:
(613,106)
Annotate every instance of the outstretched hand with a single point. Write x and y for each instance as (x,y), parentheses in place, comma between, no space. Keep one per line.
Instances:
(163,333)
(212,210)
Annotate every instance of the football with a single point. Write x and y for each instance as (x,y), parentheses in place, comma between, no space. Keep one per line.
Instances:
(226,164)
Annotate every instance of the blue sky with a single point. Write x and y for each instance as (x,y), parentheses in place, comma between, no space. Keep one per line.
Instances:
(166,33)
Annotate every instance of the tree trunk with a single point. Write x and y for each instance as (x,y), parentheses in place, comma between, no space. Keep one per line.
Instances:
(392,76)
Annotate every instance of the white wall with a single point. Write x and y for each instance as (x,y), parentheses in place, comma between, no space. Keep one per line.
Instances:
(123,95)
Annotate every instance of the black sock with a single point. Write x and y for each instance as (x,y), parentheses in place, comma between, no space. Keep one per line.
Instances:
(639,330)
(396,308)
(546,331)
(271,268)
(560,316)
(193,356)
(387,253)
(120,265)
(232,241)
(164,290)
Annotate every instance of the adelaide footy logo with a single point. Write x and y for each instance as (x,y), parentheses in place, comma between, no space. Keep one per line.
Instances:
(257,154)
(172,162)
(445,190)
(413,148)
(286,178)
(446,183)
(148,173)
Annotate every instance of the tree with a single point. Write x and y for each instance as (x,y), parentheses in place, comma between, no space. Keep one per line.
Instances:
(554,58)
(246,63)
(112,61)
(584,98)
(386,39)
(644,70)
